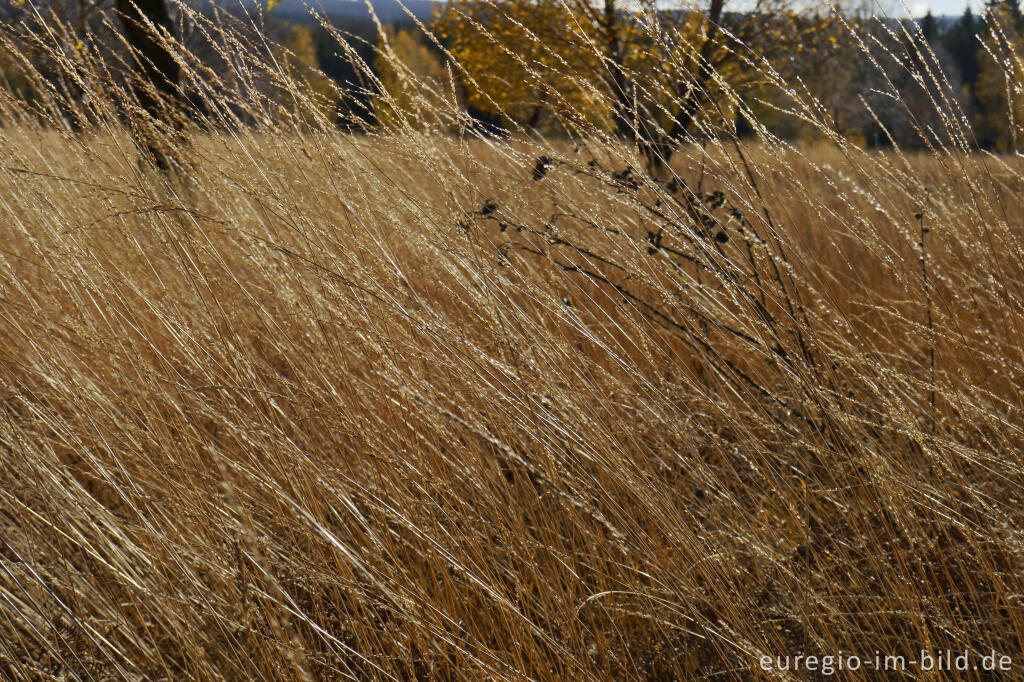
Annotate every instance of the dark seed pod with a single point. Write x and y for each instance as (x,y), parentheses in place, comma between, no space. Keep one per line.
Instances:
(721,237)
(714,199)
(655,240)
(625,178)
(488,208)
(540,168)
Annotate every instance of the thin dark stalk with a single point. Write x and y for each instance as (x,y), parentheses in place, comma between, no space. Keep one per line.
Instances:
(931,323)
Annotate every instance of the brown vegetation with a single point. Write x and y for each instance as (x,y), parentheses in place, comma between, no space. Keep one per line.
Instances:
(414,406)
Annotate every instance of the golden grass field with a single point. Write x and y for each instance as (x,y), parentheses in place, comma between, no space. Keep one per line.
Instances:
(305,412)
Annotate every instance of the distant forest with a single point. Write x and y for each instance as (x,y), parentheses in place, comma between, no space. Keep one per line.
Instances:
(852,64)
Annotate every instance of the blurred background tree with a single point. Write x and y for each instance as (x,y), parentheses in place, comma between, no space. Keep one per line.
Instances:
(297,54)
(642,71)
(521,61)
(413,80)
(652,75)
(999,122)
(149,36)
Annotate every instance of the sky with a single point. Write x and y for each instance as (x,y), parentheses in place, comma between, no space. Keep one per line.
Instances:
(892,8)
(899,8)
(939,7)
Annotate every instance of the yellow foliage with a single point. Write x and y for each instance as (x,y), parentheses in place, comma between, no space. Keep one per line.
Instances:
(414,82)
(1000,86)
(521,58)
(297,54)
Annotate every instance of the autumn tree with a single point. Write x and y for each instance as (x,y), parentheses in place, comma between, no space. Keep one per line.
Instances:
(1000,86)
(412,81)
(645,72)
(823,61)
(522,61)
(296,54)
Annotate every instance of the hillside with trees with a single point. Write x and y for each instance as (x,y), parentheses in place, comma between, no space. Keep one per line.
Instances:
(518,63)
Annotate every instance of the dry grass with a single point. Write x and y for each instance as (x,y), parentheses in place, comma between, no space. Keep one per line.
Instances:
(309,410)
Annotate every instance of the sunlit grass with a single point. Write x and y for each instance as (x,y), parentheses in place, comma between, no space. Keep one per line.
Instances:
(392,406)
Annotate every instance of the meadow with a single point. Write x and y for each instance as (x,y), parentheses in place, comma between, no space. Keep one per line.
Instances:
(287,420)
(414,405)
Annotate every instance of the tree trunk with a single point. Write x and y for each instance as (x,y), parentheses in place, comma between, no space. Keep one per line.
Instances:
(622,91)
(632,118)
(157,84)
(660,151)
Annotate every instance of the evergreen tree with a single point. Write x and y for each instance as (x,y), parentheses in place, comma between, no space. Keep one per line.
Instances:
(929,27)
(962,43)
